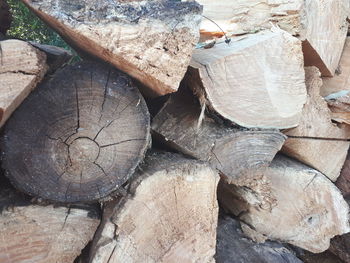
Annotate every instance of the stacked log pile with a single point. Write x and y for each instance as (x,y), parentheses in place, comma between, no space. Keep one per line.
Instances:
(244,157)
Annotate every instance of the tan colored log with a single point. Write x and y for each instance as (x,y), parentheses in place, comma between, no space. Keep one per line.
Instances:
(309,209)
(317,141)
(257,81)
(42,234)
(321,25)
(169,215)
(22,67)
(341,80)
(150,40)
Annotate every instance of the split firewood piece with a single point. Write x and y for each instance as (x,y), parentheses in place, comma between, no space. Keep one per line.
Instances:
(250,83)
(233,246)
(79,136)
(150,40)
(343,181)
(340,83)
(321,25)
(22,67)
(41,234)
(305,200)
(236,153)
(317,141)
(169,215)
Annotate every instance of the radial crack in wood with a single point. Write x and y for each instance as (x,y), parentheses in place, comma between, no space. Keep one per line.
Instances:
(257,81)
(42,234)
(79,136)
(239,155)
(309,209)
(169,215)
(321,25)
(328,153)
(22,67)
(150,40)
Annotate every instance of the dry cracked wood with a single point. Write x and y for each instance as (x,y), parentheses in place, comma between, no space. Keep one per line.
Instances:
(317,141)
(169,215)
(233,246)
(309,210)
(79,136)
(41,234)
(22,67)
(257,81)
(321,25)
(150,40)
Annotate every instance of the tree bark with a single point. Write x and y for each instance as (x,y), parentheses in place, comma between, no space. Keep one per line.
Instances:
(41,234)
(306,201)
(79,136)
(22,68)
(317,141)
(321,25)
(257,81)
(150,40)
(169,215)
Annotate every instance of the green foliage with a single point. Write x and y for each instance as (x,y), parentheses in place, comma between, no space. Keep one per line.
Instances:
(27,26)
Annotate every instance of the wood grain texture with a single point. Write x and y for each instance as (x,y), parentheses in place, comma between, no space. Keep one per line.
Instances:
(309,209)
(22,68)
(150,40)
(79,136)
(257,81)
(233,246)
(41,234)
(169,215)
(326,154)
(321,25)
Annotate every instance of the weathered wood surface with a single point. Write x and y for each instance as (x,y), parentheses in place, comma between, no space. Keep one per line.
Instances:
(341,80)
(233,246)
(305,201)
(169,215)
(22,68)
(343,181)
(41,234)
(321,25)
(339,104)
(150,40)
(257,81)
(317,141)
(79,136)
(239,155)
(5,17)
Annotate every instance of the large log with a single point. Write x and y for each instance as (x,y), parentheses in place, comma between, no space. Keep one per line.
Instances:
(309,210)
(169,215)
(233,246)
(150,40)
(317,141)
(321,25)
(41,234)
(79,136)
(238,154)
(22,68)
(257,81)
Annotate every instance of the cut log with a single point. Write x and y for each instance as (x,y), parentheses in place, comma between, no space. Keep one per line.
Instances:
(41,234)
(169,215)
(5,17)
(257,81)
(22,68)
(343,181)
(317,141)
(79,136)
(341,80)
(239,155)
(306,201)
(150,40)
(233,246)
(321,25)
